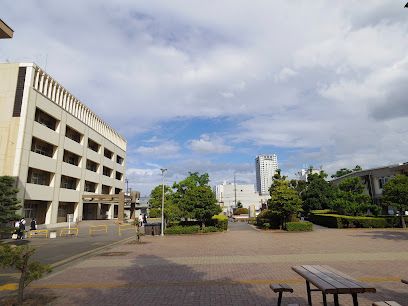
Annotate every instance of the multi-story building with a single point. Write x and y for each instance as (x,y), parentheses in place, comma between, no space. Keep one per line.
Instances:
(229,195)
(265,166)
(303,173)
(56,148)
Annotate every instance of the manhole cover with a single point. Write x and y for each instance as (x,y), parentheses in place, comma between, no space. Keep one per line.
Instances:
(114,254)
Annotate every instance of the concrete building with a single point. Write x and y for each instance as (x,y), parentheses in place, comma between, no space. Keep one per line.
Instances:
(374,179)
(56,147)
(265,166)
(303,173)
(5,30)
(245,193)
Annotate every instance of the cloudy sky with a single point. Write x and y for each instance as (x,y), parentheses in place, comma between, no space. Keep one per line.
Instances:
(208,85)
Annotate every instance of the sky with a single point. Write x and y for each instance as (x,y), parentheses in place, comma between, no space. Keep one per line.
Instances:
(208,85)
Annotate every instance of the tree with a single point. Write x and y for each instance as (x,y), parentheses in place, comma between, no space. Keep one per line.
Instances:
(171,211)
(239,204)
(195,198)
(318,193)
(395,193)
(9,204)
(284,200)
(18,257)
(350,199)
(344,171)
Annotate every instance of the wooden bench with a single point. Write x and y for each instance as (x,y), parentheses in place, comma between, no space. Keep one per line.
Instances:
(386,303)
(280,288)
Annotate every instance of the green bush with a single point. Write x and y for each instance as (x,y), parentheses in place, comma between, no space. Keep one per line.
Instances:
(154,212)
(299,226)
(268,216)
(341,221)
(220,221)
(252,220)
(179,230)
(241,211)
(211,229)
(321,211)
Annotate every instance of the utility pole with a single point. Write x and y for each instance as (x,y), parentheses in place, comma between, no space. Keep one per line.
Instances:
(163,170)
(235,191)
(127,185)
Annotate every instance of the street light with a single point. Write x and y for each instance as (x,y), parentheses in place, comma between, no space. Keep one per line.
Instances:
(163,170)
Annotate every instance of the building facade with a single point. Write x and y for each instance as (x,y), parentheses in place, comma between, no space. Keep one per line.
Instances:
(265,167)
(229,194)
(56,148)
(303,173)
(374,180)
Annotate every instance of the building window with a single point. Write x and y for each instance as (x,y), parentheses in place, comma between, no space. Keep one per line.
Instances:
(65,208)
(119,175)
(93,145)
(382,181)
(107,153)
(73,134)
(90,186)
(42,147)
(68,182)
(45,119)
(107,171)
(106,189)
(39,177)
(117,190)
(71,158)
(119,160)
(91,166)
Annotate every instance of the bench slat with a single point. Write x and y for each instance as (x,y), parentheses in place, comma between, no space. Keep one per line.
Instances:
(316,281)
(281,288)
(341,288)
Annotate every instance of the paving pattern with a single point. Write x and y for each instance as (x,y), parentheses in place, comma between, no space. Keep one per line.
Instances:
(232,268)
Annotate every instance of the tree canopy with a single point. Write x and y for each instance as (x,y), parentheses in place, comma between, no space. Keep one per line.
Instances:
(344,171)
(395,193)
(318,193)
(9,204)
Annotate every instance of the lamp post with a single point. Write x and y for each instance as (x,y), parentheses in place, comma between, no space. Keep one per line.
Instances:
(163,170)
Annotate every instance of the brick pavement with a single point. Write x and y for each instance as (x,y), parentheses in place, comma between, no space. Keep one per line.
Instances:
(233,268)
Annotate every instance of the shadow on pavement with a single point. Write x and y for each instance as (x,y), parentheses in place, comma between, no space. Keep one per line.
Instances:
(152,280)
(390,235)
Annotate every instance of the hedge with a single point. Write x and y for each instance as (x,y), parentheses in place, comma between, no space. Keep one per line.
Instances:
(178,230)
(299,226)
(341,221)
(211,229)
(268,219)
(220,221)
(241,211)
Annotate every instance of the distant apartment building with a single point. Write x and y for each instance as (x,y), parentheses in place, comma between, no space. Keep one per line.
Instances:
(5,30)
(265,166)
(56,147)
(374,179)
(246,194)
(303,173)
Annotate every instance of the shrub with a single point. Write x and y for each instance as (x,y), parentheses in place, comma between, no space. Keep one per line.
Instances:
(220,221)
(154,212)
(252,220)
(321,211)
(211,229)
(268,216)
(241,211)
(299,226)
(179,230)
(341,221)
(266,225)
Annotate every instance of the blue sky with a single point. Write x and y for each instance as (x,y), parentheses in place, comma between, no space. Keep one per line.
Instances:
(208,85)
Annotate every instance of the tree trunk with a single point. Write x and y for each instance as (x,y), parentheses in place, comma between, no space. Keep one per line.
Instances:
(403,220)
(21,283)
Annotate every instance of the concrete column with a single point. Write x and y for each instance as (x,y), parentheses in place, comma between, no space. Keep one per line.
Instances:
(111,211)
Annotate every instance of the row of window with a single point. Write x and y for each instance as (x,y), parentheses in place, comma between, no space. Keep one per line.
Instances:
(41,177)
(52,123)
(44,148)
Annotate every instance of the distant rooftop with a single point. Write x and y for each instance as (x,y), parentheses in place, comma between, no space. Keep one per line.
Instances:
(400,166)
(5,30)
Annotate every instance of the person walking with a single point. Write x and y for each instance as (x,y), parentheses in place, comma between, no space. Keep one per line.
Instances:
(140,220)
(33,225)
(22,227)
(17,227)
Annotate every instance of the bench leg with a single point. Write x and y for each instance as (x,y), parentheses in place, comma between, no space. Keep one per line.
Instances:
(309,296)
(324,299)
(336,299)
(280,299)
(355,301)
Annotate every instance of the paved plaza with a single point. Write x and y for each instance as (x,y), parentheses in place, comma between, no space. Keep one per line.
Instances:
(232,268)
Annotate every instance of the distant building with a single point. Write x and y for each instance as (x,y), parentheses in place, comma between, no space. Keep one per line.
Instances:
(5,30)
(245,194)
(374,179)
(57,148)
(265,166)
(303,173)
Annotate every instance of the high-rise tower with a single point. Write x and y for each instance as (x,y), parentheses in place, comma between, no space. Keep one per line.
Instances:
(265,166)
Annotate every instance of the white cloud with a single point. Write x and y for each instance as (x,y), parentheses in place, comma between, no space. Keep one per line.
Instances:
(207,144)
(167,149)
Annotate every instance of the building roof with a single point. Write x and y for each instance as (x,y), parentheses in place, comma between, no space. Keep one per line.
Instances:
(5,30)
(395,167)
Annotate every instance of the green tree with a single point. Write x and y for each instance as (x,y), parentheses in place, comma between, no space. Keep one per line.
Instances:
(344,171)
(284,200)
(350,198)
(395,193)
(171,211)
(195,198)
(318,193)
(9,204)
(18,257)
(239,204)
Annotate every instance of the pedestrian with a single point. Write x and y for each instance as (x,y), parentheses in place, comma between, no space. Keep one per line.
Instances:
(33,224)
(144,219)
(140,220)
(22,227)
(17,227)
